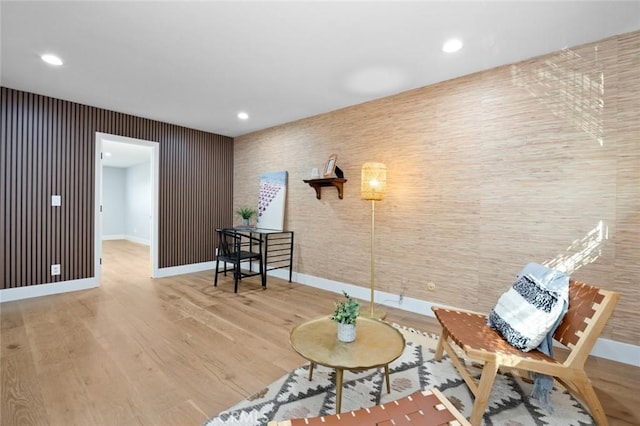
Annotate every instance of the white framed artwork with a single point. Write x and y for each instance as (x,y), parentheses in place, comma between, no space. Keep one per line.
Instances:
(271,202)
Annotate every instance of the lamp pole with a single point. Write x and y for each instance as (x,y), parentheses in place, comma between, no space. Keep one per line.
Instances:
(373,187)
(373,250)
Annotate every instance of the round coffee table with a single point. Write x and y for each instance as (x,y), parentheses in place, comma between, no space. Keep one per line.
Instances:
(376,345)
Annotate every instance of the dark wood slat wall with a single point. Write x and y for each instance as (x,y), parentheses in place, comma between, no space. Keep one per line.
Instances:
(187,165)
(48,147)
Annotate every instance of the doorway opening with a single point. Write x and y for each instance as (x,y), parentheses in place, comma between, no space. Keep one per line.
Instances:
(127,188)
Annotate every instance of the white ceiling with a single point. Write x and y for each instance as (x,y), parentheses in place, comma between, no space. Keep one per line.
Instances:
(123,154)
(198,63)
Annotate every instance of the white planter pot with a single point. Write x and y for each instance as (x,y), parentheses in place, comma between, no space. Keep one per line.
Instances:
(346,332)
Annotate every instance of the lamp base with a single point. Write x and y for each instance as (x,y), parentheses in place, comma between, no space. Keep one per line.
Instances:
(378,313)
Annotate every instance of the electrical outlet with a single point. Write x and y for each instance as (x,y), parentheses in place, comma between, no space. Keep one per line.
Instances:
(55,269)
(431,286)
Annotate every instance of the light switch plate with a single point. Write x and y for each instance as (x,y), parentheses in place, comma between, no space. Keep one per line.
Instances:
(56,200)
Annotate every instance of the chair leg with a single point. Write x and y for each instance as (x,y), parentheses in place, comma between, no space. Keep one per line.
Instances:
(443,336)
(215,280)
(484,391)
(236,276)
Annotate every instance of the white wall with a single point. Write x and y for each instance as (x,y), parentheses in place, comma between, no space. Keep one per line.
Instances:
(126,203)
(113,202)
(138,203)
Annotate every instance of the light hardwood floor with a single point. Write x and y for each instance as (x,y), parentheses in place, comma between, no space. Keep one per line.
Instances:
(176,351)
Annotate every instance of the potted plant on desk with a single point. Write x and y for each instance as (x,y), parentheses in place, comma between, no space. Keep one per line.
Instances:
(346,314)
(245,213)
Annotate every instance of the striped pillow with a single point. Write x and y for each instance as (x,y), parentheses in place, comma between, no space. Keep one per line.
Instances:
(526,313)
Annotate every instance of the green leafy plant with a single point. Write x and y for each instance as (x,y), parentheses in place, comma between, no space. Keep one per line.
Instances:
(346,311)
(246,212)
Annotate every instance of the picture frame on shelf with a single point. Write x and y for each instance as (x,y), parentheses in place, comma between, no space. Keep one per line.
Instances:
(330,167)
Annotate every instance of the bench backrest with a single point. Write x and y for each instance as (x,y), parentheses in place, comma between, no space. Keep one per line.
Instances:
(589,309)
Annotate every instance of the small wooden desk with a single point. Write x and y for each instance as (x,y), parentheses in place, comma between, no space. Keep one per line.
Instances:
(376,345)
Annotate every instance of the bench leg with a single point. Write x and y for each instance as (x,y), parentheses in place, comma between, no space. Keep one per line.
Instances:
(484,391)
(443,336)
(585,390)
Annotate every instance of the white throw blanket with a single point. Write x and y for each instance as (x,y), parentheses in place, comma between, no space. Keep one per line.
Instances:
(528,314)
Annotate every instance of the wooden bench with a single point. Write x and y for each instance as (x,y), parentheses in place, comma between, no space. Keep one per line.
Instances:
(588,311)
(425,408)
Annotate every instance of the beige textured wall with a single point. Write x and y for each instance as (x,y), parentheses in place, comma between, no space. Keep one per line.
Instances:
(535,161)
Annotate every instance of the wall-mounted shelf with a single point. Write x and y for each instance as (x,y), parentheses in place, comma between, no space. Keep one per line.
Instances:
(317,184)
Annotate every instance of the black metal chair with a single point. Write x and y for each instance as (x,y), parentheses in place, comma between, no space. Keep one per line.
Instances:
(235,248)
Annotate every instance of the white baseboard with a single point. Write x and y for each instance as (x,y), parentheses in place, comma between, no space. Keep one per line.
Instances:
(27,292)
(113,237)
(184,269)
(604,348)
(132,238)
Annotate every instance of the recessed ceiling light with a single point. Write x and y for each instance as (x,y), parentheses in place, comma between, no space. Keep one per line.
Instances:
(51,59)
(243,115)
(107,154)
(452,45)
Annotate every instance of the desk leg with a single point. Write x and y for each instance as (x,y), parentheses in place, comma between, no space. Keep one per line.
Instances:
(291,258)
(265,261)
(311,364)
(386,377)
(338,390)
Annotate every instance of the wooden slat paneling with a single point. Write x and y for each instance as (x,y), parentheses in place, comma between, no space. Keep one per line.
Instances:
(48,148)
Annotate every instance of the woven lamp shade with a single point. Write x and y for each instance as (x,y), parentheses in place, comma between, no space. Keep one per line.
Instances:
(374,181)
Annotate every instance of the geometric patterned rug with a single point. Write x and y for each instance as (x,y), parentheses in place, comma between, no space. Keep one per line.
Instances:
(294,396)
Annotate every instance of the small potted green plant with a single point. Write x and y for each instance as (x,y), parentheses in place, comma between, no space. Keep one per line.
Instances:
(245,213)
(345,314)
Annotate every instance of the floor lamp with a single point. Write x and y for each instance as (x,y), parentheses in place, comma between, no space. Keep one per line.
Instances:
(374,188)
